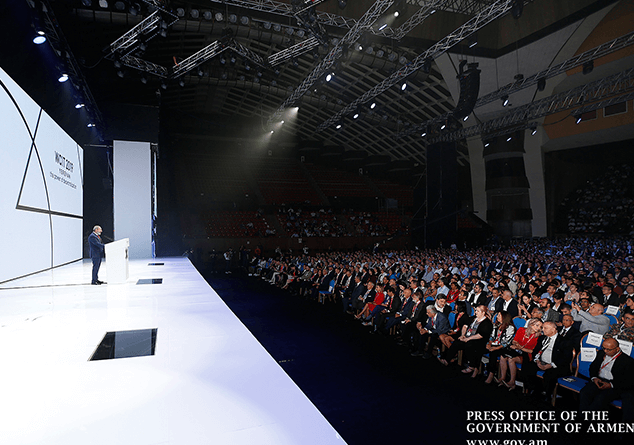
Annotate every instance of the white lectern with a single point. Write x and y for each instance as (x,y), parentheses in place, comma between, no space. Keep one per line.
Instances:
(117,261)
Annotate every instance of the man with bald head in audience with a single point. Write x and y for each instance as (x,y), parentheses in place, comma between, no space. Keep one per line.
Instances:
(612,378)
(591,321)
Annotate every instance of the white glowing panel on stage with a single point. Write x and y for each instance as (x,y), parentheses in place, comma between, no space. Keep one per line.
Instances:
(41,200)
(133,196)
(209,381)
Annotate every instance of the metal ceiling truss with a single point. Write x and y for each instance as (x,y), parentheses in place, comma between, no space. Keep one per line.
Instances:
(296,50)
(371,15)
(616,84)
(427,9)
(468,7)
(143,65)
(507,90)
(573,62)
(498,9)
(200,57)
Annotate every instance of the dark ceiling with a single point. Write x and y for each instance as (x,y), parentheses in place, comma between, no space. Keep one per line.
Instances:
(232,89)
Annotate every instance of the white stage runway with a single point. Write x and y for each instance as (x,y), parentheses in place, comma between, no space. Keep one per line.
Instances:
(209,382)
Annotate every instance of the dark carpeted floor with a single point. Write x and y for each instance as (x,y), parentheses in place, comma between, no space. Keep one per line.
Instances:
(370,389)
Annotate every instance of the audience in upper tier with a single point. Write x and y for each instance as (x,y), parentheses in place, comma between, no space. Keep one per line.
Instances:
(527,305)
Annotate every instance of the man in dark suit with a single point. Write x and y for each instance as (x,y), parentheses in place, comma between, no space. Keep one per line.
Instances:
(610,298)
(553,355)
(611,378)
(510,303)
(357,291)
(96,253)
(408,323)
(366,297)
(570,332)
(437,324)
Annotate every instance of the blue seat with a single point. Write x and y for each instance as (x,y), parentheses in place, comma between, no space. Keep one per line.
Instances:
(613,319)
(577,381)
(519,322)
(452,318)
(327,293)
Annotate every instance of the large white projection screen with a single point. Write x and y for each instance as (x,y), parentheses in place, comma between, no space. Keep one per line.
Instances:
(41,188)
(133,196)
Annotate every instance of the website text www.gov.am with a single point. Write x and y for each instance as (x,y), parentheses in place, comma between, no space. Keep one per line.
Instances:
(506,442)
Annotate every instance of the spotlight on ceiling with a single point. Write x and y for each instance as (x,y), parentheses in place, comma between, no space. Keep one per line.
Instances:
(355,115)
(396,13)
(103,4)
(339,125)
(508,139)
(372,105)
(39,38)
(90,125)
(329,77)
(180,12)
(233,18)
(163,85)
(541,84)
(383,26)
(588,67)
(443,126)
(63,78)
(281,122)
(244,20)
(505,100)
(272,131)
(267,25)
(342,4)
(533,131)
(200,72)
(207,15)
(487,143)
(466,118)
(79,105)
(380,53)
(144,80)
(517,7)
(181,83)
(423,134)
(195,13)
(578,121)
(277,27)
(121,74)
(219,17)
(404,86)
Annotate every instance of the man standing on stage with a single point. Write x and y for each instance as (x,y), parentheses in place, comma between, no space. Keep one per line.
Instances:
(96,252)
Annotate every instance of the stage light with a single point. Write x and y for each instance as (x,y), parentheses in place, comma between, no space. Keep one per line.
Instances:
(329,77)
(356,115)
(233,18)
(404,86)
(163,85)
(372,105)
(486,144)
(207,15)
(588,67)
(39,38)
(578,121)
(134,9)
(120,73)
(281,122)
(267,25)
(300,33)
(79,105)
(517,7)
(443,126)
(143,46)
(505,100)
(509,139)
(533,131)
(181,83)
(380,53)
(144,80)
(433,11)
(219,17)
(277,27)
(342,4)
(472,44)
(338,126)
(541,84)
(63,78)
(466,118)
(86,3)
(424,134)
(195,13)
(360,47)
(223,60)
(200,72)
(103,3)
(244,20)
(396,13)
(180,12)
(383,26)
(90,125)
(272,131)
(119,6)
